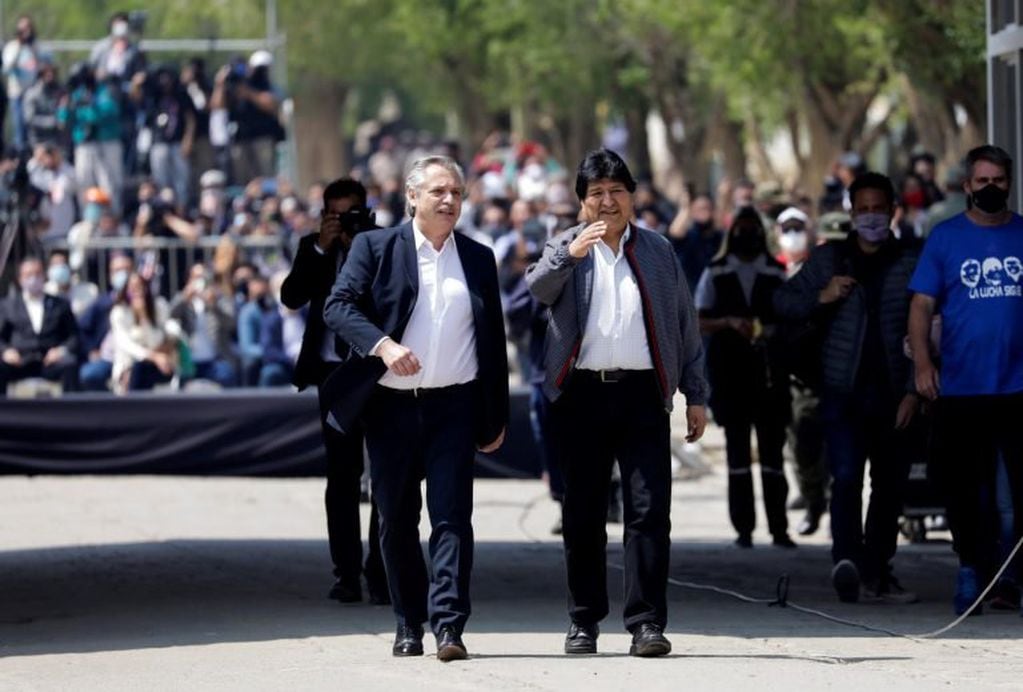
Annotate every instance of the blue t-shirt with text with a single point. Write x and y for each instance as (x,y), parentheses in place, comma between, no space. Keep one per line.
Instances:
(975,273)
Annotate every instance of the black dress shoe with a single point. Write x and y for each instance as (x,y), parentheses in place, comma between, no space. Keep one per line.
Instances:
(744,540)
(450,646)
(648,640)
(344,592)
(408,641)
(782,540)
(581,639)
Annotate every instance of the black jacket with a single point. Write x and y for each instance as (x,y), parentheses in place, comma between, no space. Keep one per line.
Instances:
(310,280)
(59,327)
(374,297)
(747,378)
(844,324)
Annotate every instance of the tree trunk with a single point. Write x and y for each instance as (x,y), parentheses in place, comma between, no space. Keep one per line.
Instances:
(322,150)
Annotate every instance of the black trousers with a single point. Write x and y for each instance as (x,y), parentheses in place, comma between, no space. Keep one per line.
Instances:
(594,424)
(63,371)
(412,437)
(806,439)
(770,428)
(858,427)
(344,489)
(969,434)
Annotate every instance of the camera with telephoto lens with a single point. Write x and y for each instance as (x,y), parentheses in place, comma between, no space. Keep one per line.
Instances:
(356,220)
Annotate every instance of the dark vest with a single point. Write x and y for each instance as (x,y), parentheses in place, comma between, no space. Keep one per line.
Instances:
(745,376)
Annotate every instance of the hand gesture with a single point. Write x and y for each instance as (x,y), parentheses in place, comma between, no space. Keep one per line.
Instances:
(837,289)
(590,236)
(398,359)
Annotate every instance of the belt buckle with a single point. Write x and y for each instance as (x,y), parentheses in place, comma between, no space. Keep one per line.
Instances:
(604,378)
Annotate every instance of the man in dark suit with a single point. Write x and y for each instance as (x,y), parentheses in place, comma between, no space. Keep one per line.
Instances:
(317,262)
(420,306)
(38,334)
(622,339)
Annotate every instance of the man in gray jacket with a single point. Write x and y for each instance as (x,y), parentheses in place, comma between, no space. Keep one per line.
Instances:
(622,337)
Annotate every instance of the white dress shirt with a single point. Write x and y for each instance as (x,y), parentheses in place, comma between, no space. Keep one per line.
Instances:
(615,336)
(35,308)
(440,332)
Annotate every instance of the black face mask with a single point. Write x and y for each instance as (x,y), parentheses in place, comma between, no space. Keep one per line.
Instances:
(746,243)
(990,198)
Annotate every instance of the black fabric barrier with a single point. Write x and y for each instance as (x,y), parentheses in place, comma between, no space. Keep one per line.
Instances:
(245,432)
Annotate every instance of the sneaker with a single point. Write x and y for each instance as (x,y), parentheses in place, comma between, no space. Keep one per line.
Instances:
(845,577)
(967,592)
(891,591)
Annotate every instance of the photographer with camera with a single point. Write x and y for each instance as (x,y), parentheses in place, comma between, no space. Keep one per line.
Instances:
(318,260)
(252,105)
(170,121)
(91,112)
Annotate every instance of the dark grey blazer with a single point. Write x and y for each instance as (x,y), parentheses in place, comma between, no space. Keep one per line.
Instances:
(565,284)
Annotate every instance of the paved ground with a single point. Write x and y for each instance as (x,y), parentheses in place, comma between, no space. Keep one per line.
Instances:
(146,583)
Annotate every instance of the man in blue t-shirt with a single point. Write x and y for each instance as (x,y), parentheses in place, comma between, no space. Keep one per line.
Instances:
(971,274)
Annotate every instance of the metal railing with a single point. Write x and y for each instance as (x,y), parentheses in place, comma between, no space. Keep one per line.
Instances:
(91,259)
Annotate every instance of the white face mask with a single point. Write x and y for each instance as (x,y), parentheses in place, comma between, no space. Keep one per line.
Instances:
(119,29)
(793,242)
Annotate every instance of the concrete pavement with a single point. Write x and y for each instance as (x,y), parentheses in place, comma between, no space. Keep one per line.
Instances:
(184,583)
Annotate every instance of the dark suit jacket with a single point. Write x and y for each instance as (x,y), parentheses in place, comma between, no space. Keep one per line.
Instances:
(373,298)
(310,280)
(59,327)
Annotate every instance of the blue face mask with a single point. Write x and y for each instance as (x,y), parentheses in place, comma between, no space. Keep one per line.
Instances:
(119,279)
(872,227)
(59,274)
(92,212)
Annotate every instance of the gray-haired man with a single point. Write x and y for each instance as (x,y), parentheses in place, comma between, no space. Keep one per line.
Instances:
(420,307)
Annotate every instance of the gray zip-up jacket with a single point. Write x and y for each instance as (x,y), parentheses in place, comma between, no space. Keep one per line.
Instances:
(565,284)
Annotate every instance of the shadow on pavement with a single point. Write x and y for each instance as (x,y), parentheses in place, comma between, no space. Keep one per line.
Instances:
(198,592)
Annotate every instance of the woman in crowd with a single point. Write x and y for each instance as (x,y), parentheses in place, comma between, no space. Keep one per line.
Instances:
(749,388)
(143,354)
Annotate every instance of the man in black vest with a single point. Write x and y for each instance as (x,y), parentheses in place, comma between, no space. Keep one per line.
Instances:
(317,263)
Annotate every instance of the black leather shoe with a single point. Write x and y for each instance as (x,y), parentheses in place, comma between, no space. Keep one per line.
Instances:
(648,640)
(343,592)
(782,540)
(408,641)
(450,646)
(581,639)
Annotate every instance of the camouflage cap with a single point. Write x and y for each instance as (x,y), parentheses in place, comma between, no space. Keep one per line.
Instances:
(834,225)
